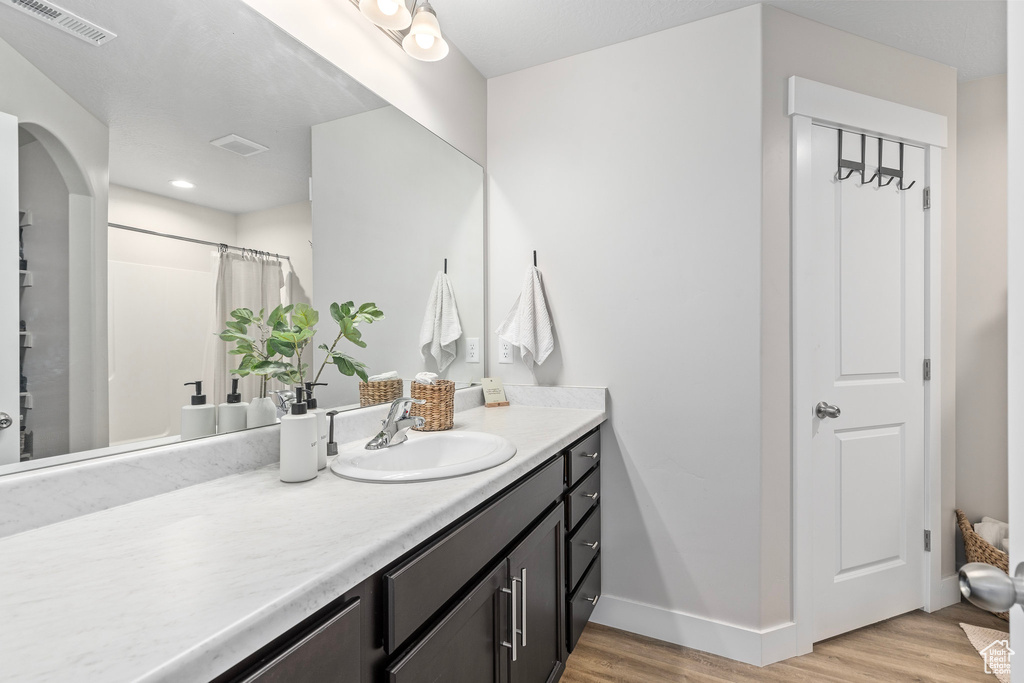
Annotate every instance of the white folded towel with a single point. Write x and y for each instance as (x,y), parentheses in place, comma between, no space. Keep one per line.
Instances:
(426,378)
(528,324)
(441,326)
(382,377)
(992,530)
(1004,545)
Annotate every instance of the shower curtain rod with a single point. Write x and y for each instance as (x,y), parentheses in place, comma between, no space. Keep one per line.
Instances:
(192,239)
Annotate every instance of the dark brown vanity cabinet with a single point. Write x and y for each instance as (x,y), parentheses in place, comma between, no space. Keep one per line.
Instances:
(583,531)
(499,596)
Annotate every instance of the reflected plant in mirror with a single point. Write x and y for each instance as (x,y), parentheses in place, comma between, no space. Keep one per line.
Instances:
(348,325)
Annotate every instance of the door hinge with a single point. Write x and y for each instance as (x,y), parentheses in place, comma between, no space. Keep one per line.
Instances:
(927,369)
(927,541)
(927,198)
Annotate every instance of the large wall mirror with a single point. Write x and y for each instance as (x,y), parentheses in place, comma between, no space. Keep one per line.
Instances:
(164,192)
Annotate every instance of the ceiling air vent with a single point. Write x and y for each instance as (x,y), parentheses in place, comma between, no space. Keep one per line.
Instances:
(239,145)
(64,20)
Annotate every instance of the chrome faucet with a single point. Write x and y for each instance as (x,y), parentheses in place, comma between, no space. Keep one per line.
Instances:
(394,428)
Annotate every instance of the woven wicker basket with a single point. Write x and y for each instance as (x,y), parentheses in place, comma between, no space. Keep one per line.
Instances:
(439,409)
(375,393)
(980,550)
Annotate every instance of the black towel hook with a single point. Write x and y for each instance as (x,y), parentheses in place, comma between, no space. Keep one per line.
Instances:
(534,258)
(854,166)
(446,266)
(899,185)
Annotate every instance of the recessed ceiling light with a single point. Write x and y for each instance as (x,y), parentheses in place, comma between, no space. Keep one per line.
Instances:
(183,184)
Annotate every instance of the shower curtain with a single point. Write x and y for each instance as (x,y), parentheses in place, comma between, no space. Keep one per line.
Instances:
(246,280)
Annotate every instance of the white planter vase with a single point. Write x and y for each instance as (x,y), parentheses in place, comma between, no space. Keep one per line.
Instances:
(262,411)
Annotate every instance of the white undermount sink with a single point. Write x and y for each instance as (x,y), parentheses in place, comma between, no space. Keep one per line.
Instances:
(424,456)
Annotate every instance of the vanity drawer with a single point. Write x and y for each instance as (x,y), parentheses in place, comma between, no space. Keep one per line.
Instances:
(582,458)
(583,601)
(582,498)
(583,547)
(330,652)
(417,588)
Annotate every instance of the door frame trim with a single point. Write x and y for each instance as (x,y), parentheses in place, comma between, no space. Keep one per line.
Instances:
(812,103)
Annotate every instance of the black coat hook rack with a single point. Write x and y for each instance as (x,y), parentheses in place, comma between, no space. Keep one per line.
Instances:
(860,166)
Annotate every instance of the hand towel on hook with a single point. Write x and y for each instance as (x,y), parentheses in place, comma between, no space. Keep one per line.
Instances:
(441,326)
(528,324)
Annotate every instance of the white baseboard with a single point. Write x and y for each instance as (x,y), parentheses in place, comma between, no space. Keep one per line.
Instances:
(946,593)
(735,642)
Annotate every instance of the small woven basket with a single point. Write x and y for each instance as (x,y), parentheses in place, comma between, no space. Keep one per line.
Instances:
(980,550)
(439,409)
(375,393)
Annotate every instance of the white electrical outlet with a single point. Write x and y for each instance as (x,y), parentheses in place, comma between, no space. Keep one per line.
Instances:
(504,351)
(472,350)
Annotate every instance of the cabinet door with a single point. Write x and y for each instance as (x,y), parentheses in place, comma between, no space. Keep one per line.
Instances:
(536,568)
(330,652)
(465,646)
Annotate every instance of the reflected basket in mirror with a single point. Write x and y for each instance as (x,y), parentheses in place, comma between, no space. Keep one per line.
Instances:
(375,393)
(439,409)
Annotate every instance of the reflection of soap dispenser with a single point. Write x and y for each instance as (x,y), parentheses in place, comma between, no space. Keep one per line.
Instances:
(298,443)
(198,419)
(321,424)
(231,414)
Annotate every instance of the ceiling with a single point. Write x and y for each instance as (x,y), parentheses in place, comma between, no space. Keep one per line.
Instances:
(502,36)
(180,74)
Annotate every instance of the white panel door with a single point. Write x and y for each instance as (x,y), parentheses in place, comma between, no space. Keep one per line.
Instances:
(10,286)
(868,462)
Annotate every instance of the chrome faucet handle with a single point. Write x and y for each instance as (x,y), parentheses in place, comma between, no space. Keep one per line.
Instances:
(397,423)
(400,408)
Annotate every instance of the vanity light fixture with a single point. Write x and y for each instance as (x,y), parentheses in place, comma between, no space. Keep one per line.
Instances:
(183,184)
(389,14)
(424,41)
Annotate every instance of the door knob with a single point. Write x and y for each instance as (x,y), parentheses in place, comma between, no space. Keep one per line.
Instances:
(824,410)
(990,588)
(5,421)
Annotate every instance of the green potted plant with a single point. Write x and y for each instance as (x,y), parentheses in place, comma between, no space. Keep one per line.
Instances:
(260,352)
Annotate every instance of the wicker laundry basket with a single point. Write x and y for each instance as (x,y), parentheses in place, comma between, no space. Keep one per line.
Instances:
(439,409)
(980,550)
(375,393)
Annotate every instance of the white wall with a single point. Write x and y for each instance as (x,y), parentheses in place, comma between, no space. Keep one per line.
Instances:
(79,144)
(285,230)
(391,201)
(635,172)
(1015,296)
(981,299)
(448,97)
(797,46)
(44,306)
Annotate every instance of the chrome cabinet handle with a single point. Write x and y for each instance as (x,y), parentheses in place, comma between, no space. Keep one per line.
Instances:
(593,600)
(522,597)
(594,496)
(515,629)
(592,456)
(5,421)
(824,410)
(593,546)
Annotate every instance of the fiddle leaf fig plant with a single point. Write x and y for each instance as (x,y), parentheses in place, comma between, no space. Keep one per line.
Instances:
(349,318)
(290,337)
(253,337)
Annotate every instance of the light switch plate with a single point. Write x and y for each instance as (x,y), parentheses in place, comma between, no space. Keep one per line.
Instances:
(472,349)
(504,352)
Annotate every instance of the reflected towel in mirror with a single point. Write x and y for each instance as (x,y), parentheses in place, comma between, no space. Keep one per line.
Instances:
(441,327)
(528,325)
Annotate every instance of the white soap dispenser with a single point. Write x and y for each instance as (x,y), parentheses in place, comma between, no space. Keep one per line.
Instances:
(231,414)
(321,424)
(298,443)
(198,419)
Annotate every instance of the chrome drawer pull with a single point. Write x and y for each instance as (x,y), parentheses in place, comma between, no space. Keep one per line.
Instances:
(522,596)
(593,545)
(592,456)
(593,600)
(515,629)
(591,495)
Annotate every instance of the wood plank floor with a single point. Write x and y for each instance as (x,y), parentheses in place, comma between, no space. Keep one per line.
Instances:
(913,647)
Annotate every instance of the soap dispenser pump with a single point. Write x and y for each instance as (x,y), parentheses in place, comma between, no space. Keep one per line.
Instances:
(321,424)
(298,442)
(198,419)
(231,414)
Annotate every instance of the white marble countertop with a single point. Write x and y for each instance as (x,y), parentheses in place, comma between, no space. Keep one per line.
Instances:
(184,585)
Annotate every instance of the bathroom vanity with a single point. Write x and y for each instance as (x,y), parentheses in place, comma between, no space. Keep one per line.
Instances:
(501,594)
(489,576)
